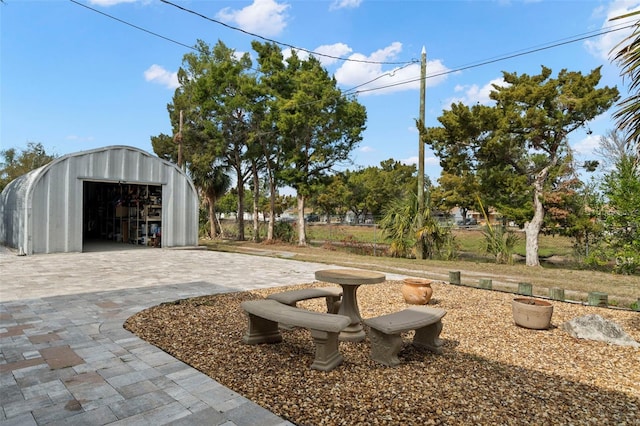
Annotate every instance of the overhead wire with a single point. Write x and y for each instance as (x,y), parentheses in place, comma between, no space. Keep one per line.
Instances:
(491,61)
(405,64)
(311,52)
(353,90)
(133,25)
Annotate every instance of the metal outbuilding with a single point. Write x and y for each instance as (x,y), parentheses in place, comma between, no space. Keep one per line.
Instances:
(119,194)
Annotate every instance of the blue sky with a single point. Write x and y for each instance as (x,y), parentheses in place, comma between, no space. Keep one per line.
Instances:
(72,78)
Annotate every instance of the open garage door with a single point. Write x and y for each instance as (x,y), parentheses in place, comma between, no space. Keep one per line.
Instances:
(124,213)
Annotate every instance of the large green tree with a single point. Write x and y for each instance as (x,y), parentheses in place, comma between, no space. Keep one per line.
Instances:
(15,163)
(519,147)
(318,127)
(371,188)
(216,94)
(459,189)
(273,80)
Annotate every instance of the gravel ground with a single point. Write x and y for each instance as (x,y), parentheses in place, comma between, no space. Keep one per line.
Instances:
(491,371)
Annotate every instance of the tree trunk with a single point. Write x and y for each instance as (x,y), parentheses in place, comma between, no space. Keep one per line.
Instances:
(256,203)
(219,225)
(272,209)
(240,212)
(212,216)
(532,228)
(302,236)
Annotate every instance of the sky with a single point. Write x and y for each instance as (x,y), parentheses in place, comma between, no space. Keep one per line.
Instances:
(83,74)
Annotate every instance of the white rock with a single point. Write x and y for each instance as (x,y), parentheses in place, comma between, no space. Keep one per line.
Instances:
(594,327)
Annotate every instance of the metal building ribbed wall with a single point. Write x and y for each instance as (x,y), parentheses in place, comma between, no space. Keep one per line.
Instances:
(42,211)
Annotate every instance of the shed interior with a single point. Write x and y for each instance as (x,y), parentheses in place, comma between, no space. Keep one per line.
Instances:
(122,212)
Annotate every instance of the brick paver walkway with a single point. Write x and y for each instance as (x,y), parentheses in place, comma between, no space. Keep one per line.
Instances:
(65,358)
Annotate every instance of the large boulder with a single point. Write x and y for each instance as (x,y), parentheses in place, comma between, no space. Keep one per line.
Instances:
(594,327)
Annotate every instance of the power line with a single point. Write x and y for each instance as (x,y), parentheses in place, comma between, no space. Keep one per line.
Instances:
(353,90)
(311,52)
(133,26)
(491,61)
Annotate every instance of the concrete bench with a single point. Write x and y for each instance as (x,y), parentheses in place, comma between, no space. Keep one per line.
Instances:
(264,316)
(331,294)
(385,332)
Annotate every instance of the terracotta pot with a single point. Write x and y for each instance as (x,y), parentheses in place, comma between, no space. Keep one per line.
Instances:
(416,291)
(532,313)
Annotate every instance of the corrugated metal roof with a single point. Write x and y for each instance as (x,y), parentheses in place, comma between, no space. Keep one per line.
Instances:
(42,210)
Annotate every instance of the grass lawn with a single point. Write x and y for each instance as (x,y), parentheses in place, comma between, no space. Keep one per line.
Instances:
(622,290)
(470,240)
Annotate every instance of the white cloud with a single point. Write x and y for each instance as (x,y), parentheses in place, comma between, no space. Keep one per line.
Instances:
(264,17)
(337,49)
(474,94)
(409,161)
(431,161)
(157,74)
(586,146)
(428,161)
(366,149)
(601,47)
(370,78)
(107,3)
(344,4)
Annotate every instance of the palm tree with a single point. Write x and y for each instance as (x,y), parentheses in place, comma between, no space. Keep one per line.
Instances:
(627,55)
(214,182)
(400,223)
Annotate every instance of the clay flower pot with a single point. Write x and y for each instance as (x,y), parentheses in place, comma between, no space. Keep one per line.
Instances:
(532,313)
(416,291)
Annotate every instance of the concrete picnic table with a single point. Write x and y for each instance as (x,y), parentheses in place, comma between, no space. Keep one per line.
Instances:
(350,280)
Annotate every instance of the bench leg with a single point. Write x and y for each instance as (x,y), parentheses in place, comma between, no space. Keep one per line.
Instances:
(261,330)
(333,304)
(327,355)
(428,338)
(385,347)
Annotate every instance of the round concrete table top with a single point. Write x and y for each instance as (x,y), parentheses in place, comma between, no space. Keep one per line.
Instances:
(349,276)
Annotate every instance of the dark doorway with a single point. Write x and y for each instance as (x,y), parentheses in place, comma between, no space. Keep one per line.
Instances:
(122,213)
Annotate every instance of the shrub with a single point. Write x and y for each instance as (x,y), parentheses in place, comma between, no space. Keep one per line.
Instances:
(284,231)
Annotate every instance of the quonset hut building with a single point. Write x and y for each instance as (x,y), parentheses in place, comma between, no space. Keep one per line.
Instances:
(117,194)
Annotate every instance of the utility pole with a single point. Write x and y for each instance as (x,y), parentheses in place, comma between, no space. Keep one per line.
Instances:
(423,90)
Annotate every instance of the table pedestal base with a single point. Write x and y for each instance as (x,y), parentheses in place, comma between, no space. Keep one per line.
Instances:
(349,307)
(353,333)
(350,280)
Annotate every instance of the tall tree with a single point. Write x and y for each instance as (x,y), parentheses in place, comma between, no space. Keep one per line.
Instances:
(214,182)
(459,190)
(518,144)
(319,127)
(215,96)
(371,188)
(15,163)
(274,81)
